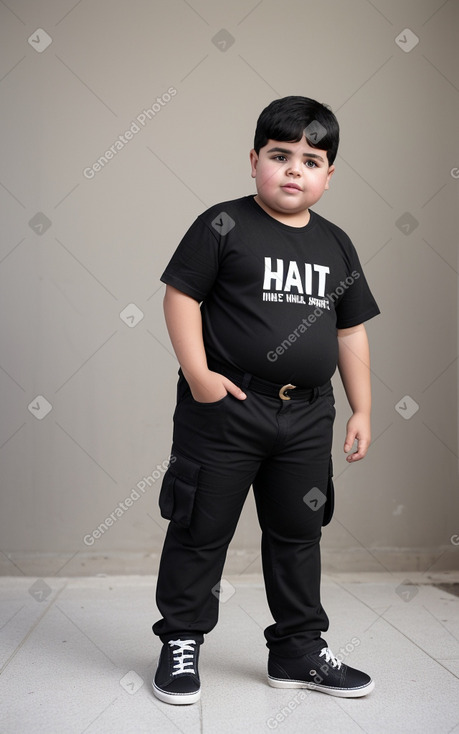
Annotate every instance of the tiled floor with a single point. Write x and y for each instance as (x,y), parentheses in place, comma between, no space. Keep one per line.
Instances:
(77,655)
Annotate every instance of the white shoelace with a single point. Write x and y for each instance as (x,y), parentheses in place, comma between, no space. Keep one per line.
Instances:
(182,656)
(330,658)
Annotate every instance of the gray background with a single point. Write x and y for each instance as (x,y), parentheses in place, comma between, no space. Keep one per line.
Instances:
(77,251)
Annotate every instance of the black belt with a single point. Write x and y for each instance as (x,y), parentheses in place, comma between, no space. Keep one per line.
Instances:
(271,389)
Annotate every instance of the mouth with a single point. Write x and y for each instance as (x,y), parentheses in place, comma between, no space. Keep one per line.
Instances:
(292,187)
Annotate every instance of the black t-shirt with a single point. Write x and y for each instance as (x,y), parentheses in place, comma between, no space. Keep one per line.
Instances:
(273,296)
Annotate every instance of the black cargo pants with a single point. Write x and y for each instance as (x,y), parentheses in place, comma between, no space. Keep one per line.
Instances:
(282,448)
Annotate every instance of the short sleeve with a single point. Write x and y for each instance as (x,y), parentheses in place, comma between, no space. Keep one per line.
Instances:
(194,265)
(356,303)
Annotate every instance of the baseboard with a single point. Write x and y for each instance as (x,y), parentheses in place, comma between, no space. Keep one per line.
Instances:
(239,562)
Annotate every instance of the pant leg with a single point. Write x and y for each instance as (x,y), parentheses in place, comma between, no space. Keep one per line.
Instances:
(219,447)
(290,491)
(192,562)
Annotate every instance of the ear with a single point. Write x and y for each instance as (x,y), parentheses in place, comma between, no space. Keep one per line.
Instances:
(331,171)
(253,162)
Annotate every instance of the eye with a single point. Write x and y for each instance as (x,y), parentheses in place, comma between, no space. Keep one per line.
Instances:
(280,158)
(310,164)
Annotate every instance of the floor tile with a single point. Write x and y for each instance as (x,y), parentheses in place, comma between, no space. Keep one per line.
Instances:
(78,656)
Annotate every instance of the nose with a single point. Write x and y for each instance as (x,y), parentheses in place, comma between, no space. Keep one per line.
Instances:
(294,168)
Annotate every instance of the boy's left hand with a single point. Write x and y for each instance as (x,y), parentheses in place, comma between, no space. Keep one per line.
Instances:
(358,428)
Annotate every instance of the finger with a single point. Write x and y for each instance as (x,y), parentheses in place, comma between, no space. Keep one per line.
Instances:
(349,441)
(362,448)
(234,389)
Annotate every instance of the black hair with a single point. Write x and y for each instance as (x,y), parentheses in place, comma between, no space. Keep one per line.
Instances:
(290,118)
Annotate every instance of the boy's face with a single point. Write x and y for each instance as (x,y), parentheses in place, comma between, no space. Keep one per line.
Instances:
(290,177)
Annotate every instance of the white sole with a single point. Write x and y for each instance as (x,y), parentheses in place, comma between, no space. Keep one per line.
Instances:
(341,692)
(177,699)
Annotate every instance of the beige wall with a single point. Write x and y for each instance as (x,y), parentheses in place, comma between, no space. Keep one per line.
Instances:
(111,382)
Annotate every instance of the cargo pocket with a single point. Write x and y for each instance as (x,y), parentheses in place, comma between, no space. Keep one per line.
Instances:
(330,503)
(178,490)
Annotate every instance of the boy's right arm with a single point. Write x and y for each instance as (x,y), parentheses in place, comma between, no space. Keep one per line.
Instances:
(184,324)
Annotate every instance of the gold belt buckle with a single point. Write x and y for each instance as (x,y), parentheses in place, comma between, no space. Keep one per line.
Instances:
(283,389)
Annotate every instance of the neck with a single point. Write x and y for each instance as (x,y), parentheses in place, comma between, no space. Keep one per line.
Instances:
(298,219)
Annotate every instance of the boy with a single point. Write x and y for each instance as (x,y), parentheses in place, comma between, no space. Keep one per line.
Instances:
(283,301)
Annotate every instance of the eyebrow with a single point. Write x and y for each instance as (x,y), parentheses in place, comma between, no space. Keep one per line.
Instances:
(286,150)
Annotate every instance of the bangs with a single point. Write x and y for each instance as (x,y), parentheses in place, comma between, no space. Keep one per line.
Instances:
(291,118)
(288,131)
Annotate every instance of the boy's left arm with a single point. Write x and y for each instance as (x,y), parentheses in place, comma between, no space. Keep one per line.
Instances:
(354,368)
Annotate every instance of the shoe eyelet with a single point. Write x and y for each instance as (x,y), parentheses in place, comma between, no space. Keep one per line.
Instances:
(312,672)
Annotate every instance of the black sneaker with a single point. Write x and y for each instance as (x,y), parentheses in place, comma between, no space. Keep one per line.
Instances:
(177,677)
(321,671)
